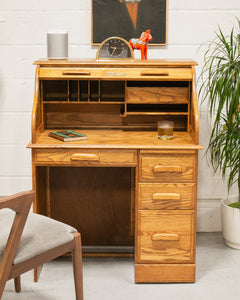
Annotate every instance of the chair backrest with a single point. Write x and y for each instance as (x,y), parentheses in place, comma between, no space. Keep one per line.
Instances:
(20,203)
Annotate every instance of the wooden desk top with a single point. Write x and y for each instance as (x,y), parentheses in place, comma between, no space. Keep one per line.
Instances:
(44,62)
(119,139)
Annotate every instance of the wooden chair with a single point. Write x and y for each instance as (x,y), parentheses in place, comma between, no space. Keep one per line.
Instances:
(28,246)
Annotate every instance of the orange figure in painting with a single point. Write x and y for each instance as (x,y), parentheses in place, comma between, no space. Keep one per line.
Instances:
(141,43)
(132,7)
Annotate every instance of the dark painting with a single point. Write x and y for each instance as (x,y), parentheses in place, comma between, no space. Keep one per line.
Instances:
(128,19)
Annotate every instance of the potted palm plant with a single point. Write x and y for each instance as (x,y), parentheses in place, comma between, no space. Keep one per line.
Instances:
(220,85)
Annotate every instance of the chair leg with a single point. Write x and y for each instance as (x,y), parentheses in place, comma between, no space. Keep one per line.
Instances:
(17,284)
(37,272)
(77,266)
(2,286)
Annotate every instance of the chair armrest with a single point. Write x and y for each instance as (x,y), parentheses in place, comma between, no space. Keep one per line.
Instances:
(21,204)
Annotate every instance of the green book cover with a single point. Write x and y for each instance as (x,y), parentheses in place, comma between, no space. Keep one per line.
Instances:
(68,135)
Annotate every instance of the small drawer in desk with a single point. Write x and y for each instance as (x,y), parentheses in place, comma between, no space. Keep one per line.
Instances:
(165,237)
(165,74)
(166,196)
(157,95)
(86,157)
(168,167)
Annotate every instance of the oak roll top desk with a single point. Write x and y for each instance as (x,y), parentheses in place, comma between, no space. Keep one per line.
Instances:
(122,188)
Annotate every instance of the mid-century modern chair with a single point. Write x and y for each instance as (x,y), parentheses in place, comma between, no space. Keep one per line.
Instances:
(28,246)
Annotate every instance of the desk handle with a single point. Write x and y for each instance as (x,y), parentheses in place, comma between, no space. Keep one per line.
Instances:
(145,73)
(161,169)
(165,237)
(166,196)
(74,73)
(85,156)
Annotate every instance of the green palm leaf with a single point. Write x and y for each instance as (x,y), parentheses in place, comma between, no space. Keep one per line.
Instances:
(220,86)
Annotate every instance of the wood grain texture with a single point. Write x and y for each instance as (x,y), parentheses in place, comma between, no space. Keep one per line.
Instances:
(36,111)
(168,167)
(154,273)
(165,237)
(194,110)
(40,185)
(117,73)
(119,139)
(85,63)
(167,224)
(99,117)
(155,95)
(122,179)
(166,195)
(80,115)
(96,201)
(85,157)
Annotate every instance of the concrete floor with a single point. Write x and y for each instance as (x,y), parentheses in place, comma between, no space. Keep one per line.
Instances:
(217,278)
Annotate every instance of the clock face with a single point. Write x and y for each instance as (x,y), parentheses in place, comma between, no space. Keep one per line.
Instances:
(115,48)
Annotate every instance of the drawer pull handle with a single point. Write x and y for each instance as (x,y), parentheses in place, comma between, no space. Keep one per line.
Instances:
(165,237)
(166,196)
(154,74)
(85,156)
(161,169)
(74,73)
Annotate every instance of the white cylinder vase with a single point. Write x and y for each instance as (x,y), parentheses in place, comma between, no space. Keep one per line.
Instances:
(230,223)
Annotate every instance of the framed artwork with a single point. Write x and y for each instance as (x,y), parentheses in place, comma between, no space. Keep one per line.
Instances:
(128,19)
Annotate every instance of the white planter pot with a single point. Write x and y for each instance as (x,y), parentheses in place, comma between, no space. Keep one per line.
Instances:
(230,223)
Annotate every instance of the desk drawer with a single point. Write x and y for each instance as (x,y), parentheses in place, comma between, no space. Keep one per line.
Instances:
(165,74)
(168,167)
(165,237)
(157,95)
(85,157)
(166,196)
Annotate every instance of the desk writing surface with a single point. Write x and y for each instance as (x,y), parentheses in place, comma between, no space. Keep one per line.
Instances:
(120,139)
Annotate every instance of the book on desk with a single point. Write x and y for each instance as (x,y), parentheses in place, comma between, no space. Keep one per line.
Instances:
(67,135)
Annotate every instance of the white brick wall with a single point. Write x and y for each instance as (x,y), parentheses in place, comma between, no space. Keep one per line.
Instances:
(23,28)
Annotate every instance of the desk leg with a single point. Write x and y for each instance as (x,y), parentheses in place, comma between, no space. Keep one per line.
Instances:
(133,195)
(48,198)
(41,203)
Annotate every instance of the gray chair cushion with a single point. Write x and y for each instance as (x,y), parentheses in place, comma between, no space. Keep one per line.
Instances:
(39,235)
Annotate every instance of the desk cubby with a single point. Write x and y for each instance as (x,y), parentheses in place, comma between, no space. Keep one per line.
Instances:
(126,191)
(133,103)
(83,91)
